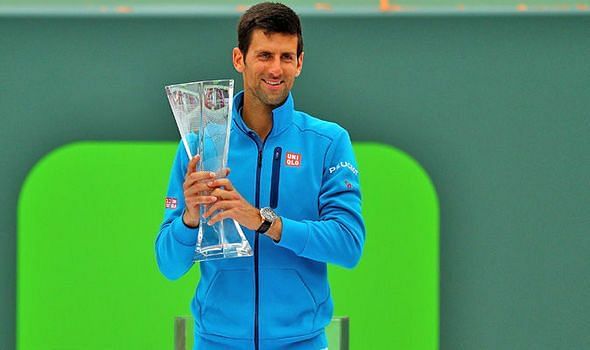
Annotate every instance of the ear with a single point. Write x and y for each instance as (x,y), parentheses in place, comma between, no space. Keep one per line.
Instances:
(299,64)
(238,60)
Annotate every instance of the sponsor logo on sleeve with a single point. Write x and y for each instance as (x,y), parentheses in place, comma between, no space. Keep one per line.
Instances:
(343,165)
(293,159)
(171,203)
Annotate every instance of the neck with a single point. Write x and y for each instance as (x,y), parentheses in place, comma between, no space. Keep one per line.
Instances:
(257,116)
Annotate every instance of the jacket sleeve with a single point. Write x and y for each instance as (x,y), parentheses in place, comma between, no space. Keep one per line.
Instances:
(175,244)
(338,236)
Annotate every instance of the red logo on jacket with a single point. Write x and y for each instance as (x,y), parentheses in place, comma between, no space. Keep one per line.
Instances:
(293,159)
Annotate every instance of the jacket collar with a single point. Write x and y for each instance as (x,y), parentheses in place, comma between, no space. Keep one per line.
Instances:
(282,116)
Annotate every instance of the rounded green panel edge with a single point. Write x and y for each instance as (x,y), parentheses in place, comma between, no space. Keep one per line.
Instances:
(392,295)
(86,271)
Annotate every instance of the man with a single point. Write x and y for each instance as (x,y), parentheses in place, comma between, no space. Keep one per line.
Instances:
(301,171)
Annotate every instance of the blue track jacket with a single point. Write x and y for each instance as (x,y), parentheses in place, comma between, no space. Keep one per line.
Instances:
(279,298)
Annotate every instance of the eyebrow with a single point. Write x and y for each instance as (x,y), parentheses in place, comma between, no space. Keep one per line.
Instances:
(267,51)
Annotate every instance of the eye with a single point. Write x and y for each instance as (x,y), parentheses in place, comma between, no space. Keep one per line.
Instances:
(288,58)
(264,56)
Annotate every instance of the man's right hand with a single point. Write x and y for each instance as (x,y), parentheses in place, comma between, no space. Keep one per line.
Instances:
(196,192)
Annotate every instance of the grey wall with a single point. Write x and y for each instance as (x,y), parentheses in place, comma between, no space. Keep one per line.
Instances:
(495,108)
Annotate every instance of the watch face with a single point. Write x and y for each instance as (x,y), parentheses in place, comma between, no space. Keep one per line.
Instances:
(268,214)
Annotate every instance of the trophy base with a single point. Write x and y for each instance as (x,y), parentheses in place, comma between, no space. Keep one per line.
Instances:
(223,240)
(222,251)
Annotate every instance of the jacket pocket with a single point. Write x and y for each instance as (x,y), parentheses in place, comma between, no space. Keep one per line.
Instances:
(228,306)
(287,306)
(276,174)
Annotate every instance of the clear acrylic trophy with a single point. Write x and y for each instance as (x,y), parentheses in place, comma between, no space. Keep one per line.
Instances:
(203,114)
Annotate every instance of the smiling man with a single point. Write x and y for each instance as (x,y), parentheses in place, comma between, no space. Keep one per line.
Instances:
(294,189)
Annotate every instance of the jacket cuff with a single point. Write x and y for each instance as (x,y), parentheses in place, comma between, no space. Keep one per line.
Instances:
(183,234)
(294,236)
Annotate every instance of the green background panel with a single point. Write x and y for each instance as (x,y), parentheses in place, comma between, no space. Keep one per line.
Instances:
(89,214)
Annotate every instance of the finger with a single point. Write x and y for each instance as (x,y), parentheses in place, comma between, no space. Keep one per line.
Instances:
(220,216)
(220,205)
(196,203)
(224,194)
(227,170)
(202,199)
(192,165)
(221,182)
(197,177)
(196,188)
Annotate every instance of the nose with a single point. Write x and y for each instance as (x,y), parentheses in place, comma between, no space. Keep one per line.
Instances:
(275,69)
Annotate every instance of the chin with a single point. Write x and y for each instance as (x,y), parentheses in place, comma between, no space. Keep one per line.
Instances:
(276,102)
(270,99)
(277,97)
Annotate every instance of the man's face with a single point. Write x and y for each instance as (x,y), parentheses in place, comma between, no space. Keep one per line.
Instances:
(270,67)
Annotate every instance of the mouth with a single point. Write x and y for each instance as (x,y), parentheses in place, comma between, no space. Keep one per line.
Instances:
(273,83)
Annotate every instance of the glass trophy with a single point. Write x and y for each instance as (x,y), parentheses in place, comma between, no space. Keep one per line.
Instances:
(203,114)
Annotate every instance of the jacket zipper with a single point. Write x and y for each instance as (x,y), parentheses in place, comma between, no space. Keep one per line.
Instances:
(256,291)
(260,147)
(276,173)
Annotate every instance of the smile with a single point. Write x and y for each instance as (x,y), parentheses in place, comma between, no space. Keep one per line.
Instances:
(273,82)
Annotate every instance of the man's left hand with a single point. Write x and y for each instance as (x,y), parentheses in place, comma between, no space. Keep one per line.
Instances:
(231,205)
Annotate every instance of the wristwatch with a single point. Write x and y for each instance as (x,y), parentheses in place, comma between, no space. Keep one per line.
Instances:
(268,217)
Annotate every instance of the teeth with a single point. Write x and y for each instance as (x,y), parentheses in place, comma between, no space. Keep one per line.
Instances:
(273,82)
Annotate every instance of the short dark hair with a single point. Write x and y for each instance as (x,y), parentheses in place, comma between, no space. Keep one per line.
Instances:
(271,17)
